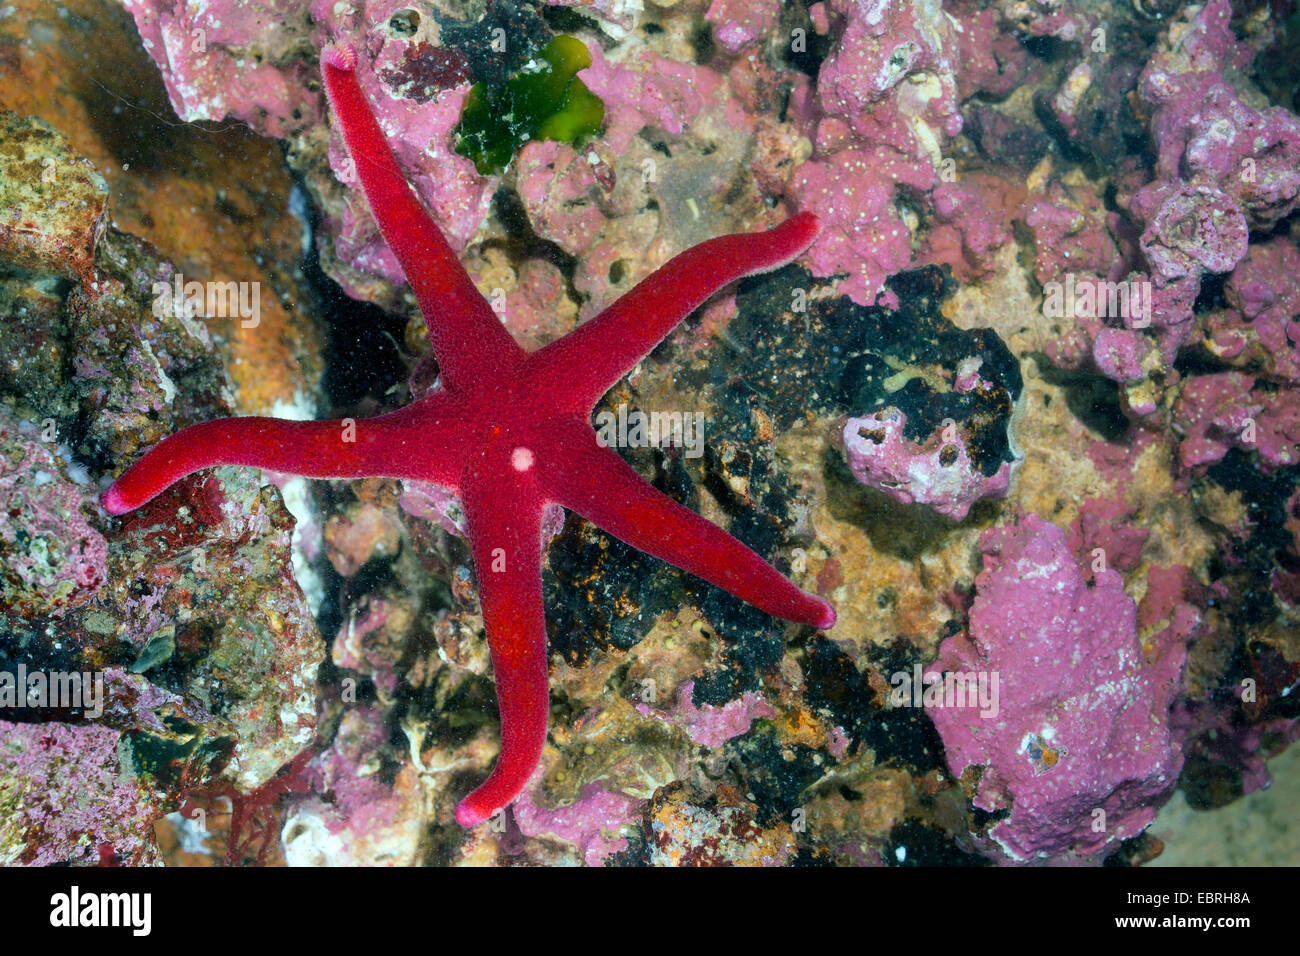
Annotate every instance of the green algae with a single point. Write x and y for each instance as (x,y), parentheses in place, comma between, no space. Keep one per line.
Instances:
(545,100)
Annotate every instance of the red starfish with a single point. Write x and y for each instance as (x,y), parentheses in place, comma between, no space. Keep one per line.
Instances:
(509,432)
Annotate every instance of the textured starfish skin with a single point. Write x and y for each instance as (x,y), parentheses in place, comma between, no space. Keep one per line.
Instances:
(509,432)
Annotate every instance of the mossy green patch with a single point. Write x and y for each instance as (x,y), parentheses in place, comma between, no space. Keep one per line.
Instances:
(544,100)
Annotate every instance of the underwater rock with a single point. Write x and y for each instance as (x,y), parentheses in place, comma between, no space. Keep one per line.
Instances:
(1258,331)
(886,102)
(1204,129)
(373,816)
(929,406)
(51,558)
(711,726)
(1190,230)
(53,203)
(257,647)
(592,823)
(972,222)
(720,831)
(66,798)
(989,142)
(1222,411)
(235,58)
(937,471)
(739,23)
(1105,535)
(1079,754)
(863,236)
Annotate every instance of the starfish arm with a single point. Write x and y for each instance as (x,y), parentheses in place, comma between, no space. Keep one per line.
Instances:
(395,445)
(604,489)
(607,347)
(467,336)
(505,530)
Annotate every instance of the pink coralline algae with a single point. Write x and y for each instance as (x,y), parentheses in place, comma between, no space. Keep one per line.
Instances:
(1071,234)
(1079,755)
(204,51)
(1123,355)
(554,182)
(864,237)
(885,48)
(1259,409)
(46,771)
(591,823)
(1259,329)
(1171,609)
(1213,737)
(370,818)
(1105,536)
(1009,143)
(1192,229)
(354,648)
(937,472)
(1205,131)
(886,102)
(254,62)
(739,23)
(1223,167)
(1045,18)
(709,725)
(53,560)
(971,223)
(1217,412)
(992,61)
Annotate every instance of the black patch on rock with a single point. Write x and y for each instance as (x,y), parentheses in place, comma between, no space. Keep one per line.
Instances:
(840,358)
(755,643)
(773,774)
(1005,139)
(602,593)
(492,62)
(902,735)
(926,846)
(1251,599)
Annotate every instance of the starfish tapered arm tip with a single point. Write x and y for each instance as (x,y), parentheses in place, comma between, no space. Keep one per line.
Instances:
(806,226)
(114,501)
(470,815)
(827,619)
(341,56)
